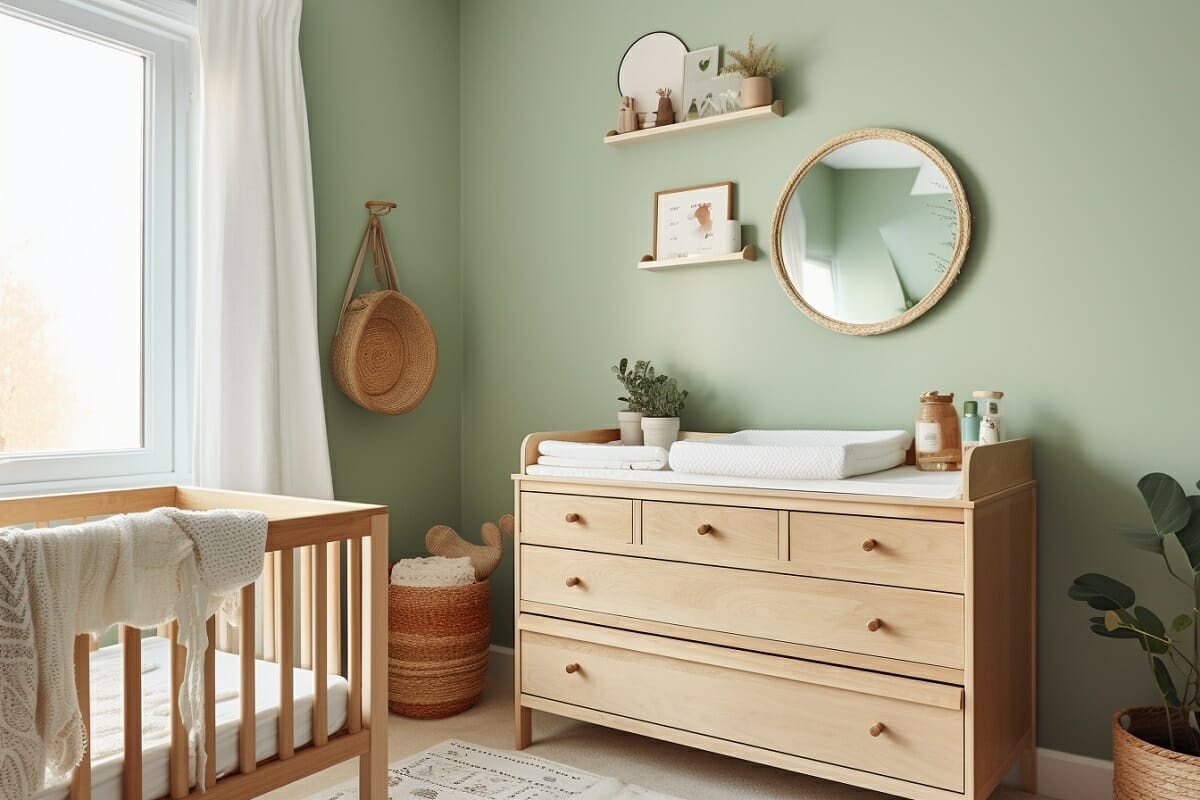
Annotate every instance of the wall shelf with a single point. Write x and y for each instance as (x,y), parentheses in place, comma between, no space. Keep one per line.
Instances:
(747,253)
(719,121)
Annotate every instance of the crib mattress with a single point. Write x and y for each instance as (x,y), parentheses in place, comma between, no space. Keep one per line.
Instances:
(107,729)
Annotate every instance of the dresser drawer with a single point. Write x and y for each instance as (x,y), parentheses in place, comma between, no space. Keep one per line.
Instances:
(575,521)
(925,627)
(810,710)
(895,552)
(700,532)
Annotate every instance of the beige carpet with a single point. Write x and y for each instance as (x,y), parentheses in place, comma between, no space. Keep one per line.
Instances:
(660,766)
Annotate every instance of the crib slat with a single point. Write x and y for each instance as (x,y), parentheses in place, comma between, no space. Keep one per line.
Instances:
(334,604)
(131,691)
(306,608)
(320,713)
(354,652)
(247,746)
(210,705)
(81,778)
(286,626)
(268,595)
(178,757)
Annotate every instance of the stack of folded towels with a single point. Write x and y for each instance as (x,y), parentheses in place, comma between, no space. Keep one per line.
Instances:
(601,456)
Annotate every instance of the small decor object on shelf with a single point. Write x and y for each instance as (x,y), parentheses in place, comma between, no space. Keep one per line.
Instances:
(1156,750)
(665,114)
(757,66)
(683,219)
(627,118)
(634,380)
(662,403)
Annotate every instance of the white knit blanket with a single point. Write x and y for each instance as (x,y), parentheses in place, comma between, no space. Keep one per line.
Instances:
(136,569)
(433,571)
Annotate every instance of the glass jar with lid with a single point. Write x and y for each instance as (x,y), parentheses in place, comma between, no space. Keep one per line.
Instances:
(938,441)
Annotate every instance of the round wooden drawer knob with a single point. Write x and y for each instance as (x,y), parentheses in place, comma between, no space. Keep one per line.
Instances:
(876,729)
(870,544)
(874,624)
(573,668)
(704,529)
(571,517)
(572,581)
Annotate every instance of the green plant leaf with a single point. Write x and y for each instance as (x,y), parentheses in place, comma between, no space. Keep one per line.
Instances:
(1189,534)
(1181,623)
(1099,629)
(1142,538)
(1167,503)
(1146,620)
(1101,592)
(1166,684)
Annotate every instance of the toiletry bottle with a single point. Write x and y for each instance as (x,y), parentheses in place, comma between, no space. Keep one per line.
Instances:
(990,407)
(970,422)
(938,440)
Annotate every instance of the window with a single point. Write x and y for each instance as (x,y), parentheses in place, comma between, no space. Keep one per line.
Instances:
(94,213)
(817,283)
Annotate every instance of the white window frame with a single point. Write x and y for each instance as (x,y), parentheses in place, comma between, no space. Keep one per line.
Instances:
(164,33)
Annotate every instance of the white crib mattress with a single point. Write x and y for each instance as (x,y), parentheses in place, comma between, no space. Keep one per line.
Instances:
(107,730)
(903,481)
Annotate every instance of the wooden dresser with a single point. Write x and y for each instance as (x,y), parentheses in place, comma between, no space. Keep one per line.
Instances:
(886,642)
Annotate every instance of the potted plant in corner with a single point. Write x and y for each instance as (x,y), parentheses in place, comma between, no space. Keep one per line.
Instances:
(757,65)
(634,380)
(1156,749)
(661,405)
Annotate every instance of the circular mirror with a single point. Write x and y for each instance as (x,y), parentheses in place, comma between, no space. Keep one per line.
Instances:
(870,231)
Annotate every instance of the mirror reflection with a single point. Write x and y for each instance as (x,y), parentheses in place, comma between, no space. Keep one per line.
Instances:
(871,231)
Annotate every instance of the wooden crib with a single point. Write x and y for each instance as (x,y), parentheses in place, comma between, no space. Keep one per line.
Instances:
(316,531)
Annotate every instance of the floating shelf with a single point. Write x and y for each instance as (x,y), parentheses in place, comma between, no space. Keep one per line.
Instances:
(747,253)
(719,121)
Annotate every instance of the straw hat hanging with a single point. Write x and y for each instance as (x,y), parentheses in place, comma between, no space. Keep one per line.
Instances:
(384,352)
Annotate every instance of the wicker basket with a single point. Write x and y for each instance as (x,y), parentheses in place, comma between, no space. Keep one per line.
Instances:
(1143,768)
(437,648)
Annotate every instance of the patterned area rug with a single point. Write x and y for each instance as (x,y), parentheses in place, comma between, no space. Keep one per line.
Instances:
(457,770)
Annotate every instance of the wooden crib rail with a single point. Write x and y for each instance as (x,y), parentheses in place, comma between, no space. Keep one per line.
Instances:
(317,530)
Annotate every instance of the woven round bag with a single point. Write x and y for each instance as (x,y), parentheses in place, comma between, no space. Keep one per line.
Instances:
(384,352)
(1143,767)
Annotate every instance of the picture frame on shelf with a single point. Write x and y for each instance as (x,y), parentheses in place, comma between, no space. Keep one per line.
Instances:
(699,67)
(683,219)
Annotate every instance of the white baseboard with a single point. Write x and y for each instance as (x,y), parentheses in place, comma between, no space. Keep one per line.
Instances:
(501,649)
(1066,776)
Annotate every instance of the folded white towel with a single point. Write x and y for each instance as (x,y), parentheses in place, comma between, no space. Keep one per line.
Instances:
(583,451)
(433,571)
(793,455)
(595,463)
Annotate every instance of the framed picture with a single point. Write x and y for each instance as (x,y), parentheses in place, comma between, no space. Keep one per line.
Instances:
(683,219)
(699,67)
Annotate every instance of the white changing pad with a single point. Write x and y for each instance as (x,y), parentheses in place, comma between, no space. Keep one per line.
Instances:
(107,743)
(897,482)
(792,454)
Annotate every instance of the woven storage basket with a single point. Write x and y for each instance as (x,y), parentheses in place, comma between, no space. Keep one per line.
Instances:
(437,648)
(1144,769)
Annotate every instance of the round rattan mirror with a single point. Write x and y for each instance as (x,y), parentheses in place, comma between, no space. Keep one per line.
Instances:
(870,231)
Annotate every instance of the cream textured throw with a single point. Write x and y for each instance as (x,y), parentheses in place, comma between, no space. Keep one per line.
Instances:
(433,571)
(136,569)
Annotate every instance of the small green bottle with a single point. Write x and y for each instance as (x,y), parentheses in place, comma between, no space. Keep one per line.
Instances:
(970,421)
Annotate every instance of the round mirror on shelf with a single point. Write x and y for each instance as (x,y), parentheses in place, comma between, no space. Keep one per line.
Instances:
(870,231)
(653,62)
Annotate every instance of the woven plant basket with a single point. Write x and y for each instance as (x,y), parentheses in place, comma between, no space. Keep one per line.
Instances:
(437,648)
(1143,767)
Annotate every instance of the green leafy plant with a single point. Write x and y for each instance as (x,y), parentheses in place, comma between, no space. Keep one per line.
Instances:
(1172,651)
(635,382)
(755,62)
(664,398)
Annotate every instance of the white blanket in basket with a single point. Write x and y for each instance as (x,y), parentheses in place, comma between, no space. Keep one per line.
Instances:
(793,455)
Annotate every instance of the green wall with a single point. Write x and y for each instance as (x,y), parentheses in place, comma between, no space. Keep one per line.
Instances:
(381,78)
(1072,125)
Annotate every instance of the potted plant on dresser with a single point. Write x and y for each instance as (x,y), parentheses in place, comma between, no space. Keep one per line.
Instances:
(634,380)
(661,405)
(1156,749)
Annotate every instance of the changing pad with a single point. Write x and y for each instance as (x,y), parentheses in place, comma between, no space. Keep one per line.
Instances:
(792,454)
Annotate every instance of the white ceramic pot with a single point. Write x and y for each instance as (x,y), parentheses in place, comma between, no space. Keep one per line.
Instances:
(756,92)
(660,431)
(630,423)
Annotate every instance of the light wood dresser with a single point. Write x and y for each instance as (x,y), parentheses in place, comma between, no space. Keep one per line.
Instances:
(886,642)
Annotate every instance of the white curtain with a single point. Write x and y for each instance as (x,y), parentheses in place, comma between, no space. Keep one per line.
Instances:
(260,418)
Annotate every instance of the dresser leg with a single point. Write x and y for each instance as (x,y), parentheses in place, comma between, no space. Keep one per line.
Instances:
(524,727)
